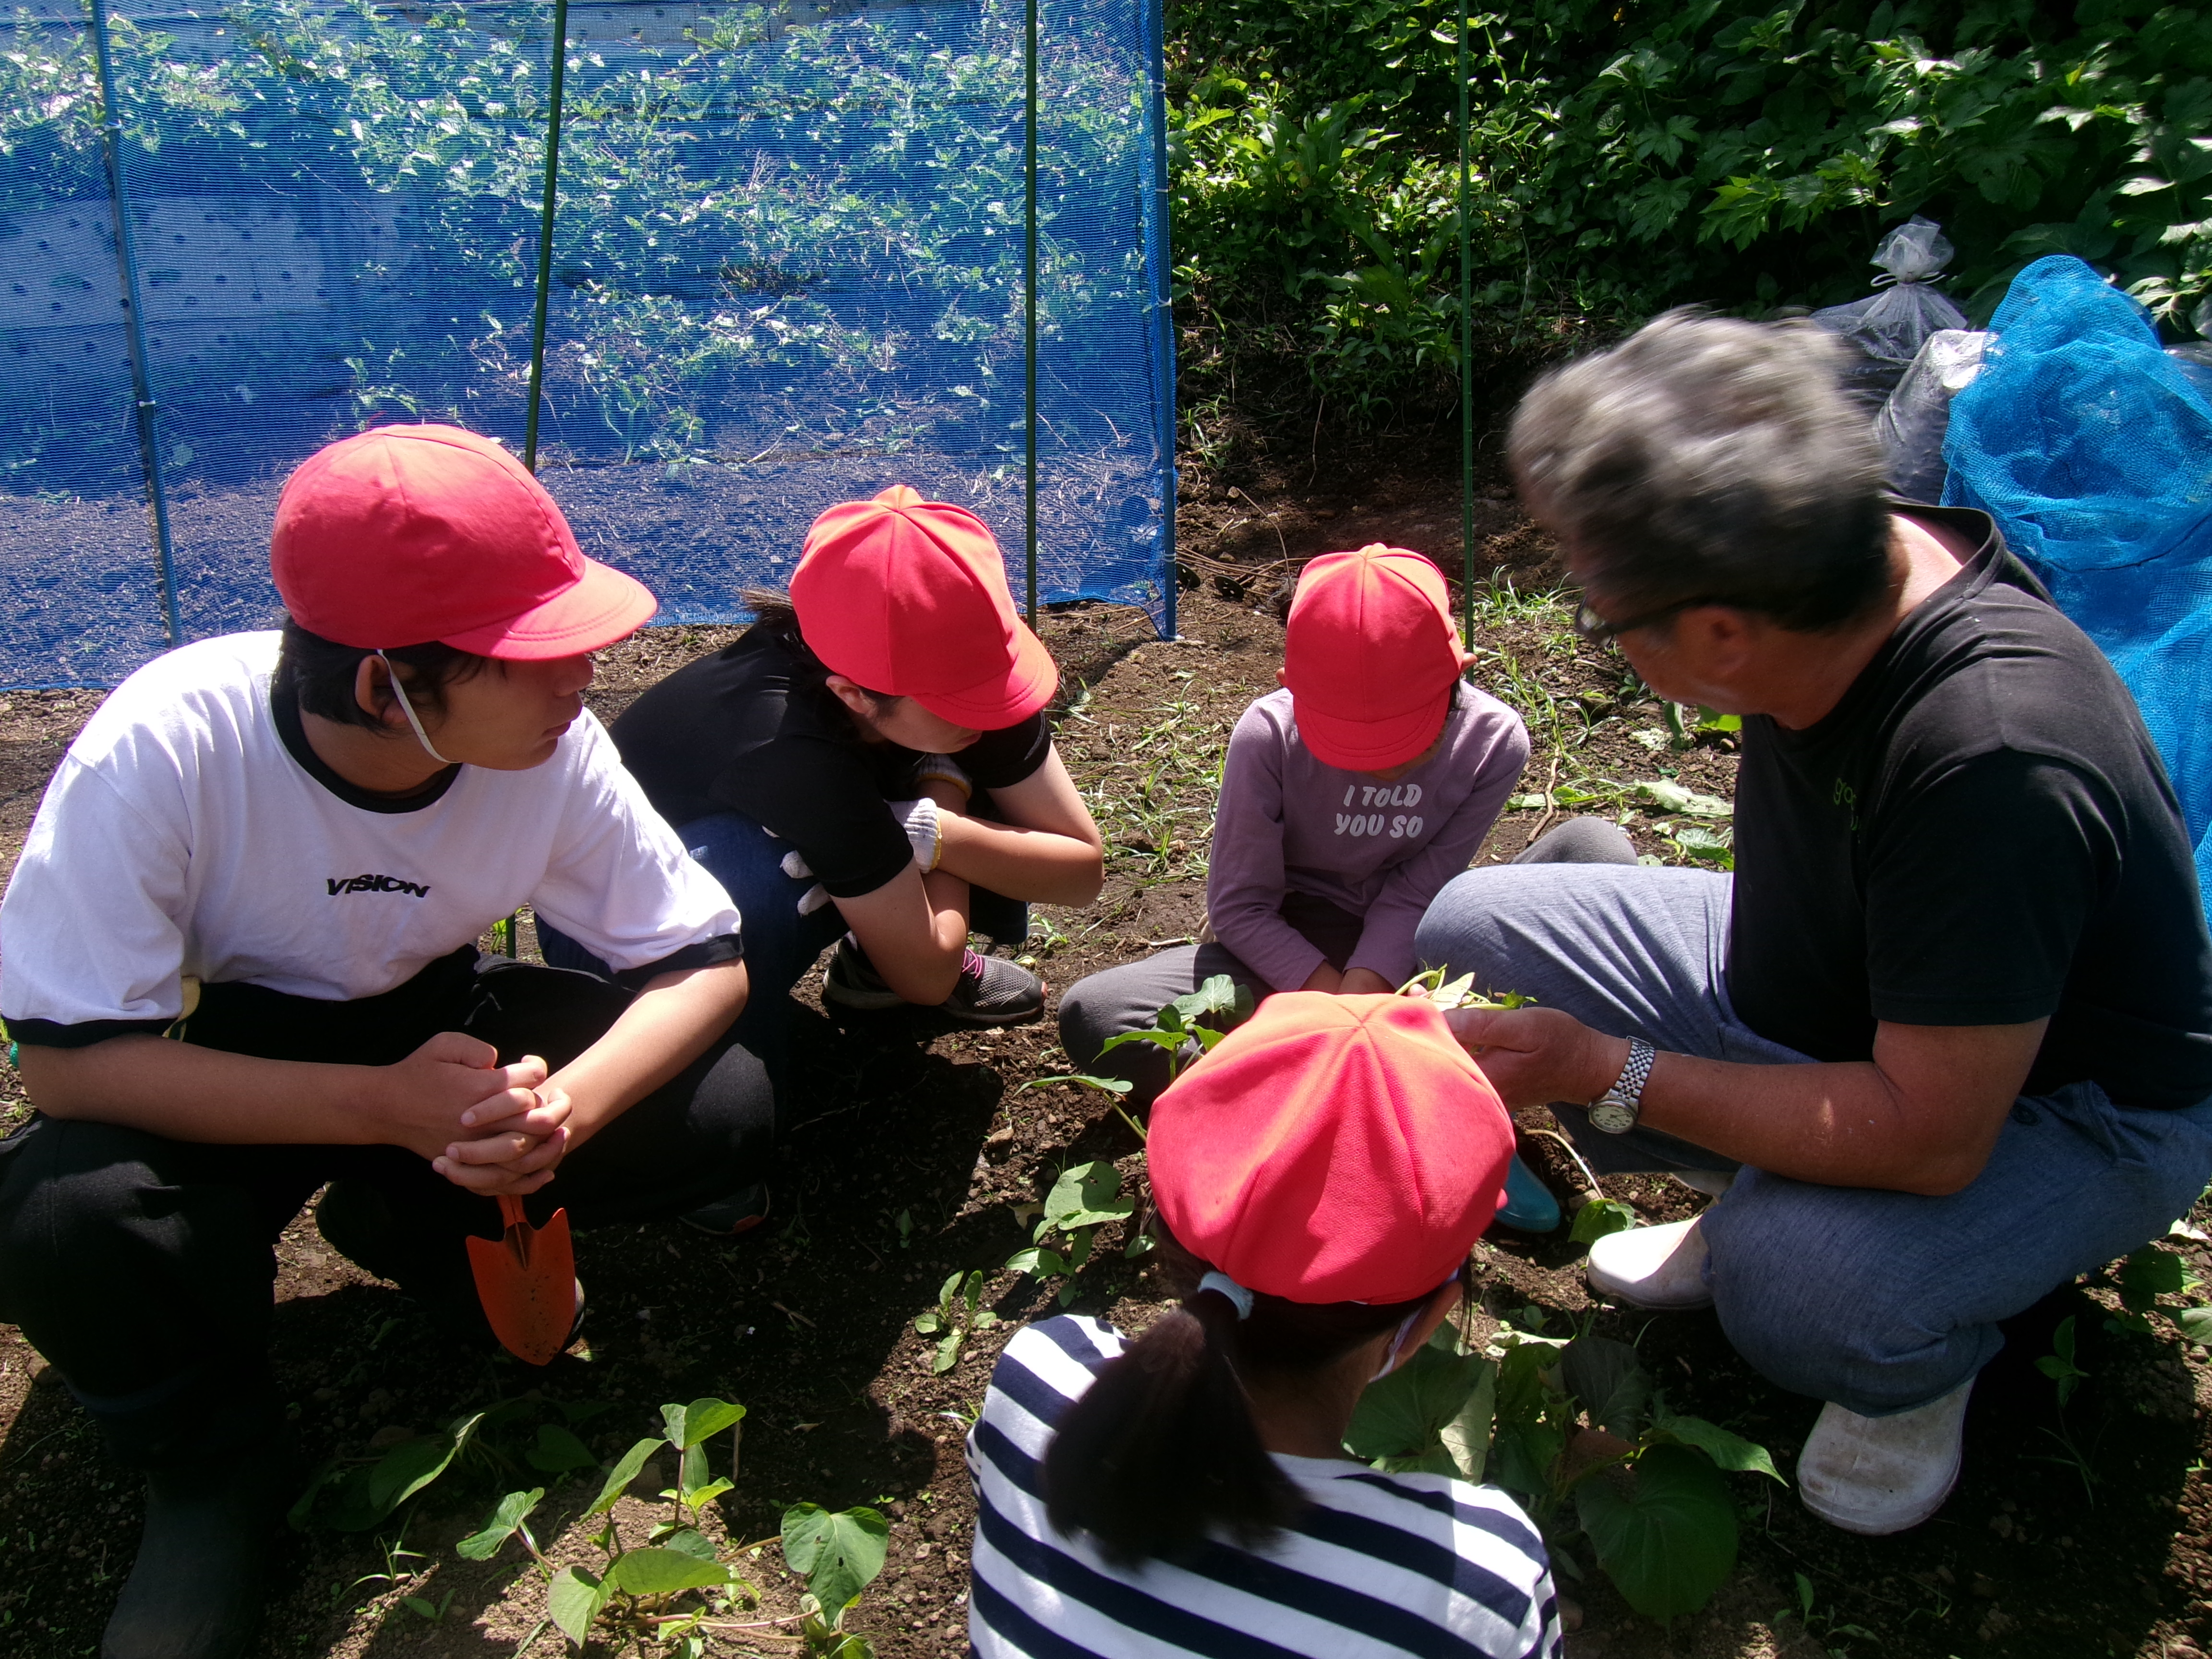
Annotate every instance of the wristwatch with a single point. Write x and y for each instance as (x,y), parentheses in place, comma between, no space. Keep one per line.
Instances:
(1615,1111)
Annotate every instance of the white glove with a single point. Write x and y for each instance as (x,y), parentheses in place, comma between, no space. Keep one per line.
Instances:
(919,819)
(798,869)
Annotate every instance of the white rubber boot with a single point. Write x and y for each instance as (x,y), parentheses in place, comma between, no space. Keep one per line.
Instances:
(1662,1268)
(1877,1475)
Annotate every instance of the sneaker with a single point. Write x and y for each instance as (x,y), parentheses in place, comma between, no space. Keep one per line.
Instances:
(1877,1475)
(199,1585)
(852,980)
(726,1218)
(1662,1268)
(991,991)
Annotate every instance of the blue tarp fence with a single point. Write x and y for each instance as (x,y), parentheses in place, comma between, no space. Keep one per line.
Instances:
(789,266)
(2093,449)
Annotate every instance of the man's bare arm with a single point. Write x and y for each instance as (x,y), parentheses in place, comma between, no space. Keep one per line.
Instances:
(1922,1116)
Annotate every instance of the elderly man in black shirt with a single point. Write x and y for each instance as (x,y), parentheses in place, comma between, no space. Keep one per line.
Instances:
(1950,1026)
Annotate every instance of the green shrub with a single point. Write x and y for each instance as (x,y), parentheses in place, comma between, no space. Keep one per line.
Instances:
(1628,156)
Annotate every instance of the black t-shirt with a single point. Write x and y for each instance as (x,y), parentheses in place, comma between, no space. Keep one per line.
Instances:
(1980,833)
(752,729)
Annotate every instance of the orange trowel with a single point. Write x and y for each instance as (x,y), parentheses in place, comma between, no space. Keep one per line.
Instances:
(527,1281)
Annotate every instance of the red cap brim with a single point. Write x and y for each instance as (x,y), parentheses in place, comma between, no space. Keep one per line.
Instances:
(603,607)
(1009,696)
(1369,746)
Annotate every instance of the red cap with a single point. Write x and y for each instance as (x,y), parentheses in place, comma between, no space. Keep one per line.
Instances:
(1370,655)
(1332,1149)
(908,597)
(405,534)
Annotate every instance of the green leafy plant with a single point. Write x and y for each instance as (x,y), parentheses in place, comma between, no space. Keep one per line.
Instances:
(2065,1371)
(1198,1020)
(639,1592)
(839,1556)
(635,1590)
(1624,160)
(2146,1275)
(505,1439)
(1817,1624)
(1599,1216)
(1689,722)
(1085,1197)
(356,1494)
(1201,1019)
(953,1317)
(1640,1484)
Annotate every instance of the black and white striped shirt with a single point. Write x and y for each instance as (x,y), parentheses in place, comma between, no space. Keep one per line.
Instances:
(1381,1566)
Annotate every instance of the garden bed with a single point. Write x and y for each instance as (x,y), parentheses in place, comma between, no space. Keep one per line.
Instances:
(910,1156)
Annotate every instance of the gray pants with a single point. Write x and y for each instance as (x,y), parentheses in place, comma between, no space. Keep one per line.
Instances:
(1881,1301)
(1130,997)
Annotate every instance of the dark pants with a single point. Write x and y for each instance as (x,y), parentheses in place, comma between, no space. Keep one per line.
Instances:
(780,944)
(1128,998)
(141,1266)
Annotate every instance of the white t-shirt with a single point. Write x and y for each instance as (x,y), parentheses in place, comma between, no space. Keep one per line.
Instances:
(1379,1566)
(181,836)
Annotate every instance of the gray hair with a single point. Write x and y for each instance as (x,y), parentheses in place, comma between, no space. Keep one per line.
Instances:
(1709,460)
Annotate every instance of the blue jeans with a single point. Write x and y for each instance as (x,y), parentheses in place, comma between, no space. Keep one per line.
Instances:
(1881,1301)
(781,945)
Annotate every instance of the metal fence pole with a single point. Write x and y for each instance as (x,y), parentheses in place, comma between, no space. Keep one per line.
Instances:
(545,244)
(142,380)
(545,288)
(1466,358)
(1030,313)
(1163,307)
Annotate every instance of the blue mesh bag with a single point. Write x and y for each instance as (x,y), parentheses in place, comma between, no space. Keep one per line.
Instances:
(2092,450)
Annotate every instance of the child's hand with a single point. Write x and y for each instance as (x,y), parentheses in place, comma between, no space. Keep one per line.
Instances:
(1364,983)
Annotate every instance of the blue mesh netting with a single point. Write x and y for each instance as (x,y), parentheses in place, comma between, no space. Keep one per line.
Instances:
(787,270)
(2094,450)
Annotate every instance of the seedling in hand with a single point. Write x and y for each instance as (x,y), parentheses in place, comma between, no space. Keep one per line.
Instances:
(1459,993)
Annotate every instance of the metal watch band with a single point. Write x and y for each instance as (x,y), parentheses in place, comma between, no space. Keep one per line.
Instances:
(1617,1110)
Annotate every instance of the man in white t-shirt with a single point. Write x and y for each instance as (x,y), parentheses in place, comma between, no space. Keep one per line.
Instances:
(239,957)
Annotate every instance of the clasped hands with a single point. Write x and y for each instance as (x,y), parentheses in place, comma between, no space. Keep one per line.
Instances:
(490,1128)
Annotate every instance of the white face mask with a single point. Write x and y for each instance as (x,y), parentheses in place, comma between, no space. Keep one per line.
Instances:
(407,708)
(1397,1341)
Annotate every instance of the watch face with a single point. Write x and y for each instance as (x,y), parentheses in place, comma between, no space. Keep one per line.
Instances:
(1612,1117)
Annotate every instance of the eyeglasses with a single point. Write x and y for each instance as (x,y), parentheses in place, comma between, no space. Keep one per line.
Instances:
(1597,630)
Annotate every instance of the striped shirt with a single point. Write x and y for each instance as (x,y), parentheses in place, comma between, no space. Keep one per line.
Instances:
(1380,1566)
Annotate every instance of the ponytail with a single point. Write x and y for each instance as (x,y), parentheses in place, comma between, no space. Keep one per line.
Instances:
(773,613)
(1161,1450)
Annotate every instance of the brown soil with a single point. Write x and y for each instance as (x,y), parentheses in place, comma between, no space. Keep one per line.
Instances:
(911,1156)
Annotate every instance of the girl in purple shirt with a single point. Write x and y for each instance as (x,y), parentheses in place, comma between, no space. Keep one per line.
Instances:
(1350,798)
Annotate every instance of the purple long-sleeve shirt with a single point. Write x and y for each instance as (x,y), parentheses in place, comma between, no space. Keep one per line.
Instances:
(1288,823)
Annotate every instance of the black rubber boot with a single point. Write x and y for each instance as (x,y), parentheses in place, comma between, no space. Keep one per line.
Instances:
(198,1587)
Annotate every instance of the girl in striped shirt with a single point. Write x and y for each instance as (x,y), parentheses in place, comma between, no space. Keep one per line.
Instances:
(1320,1176)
